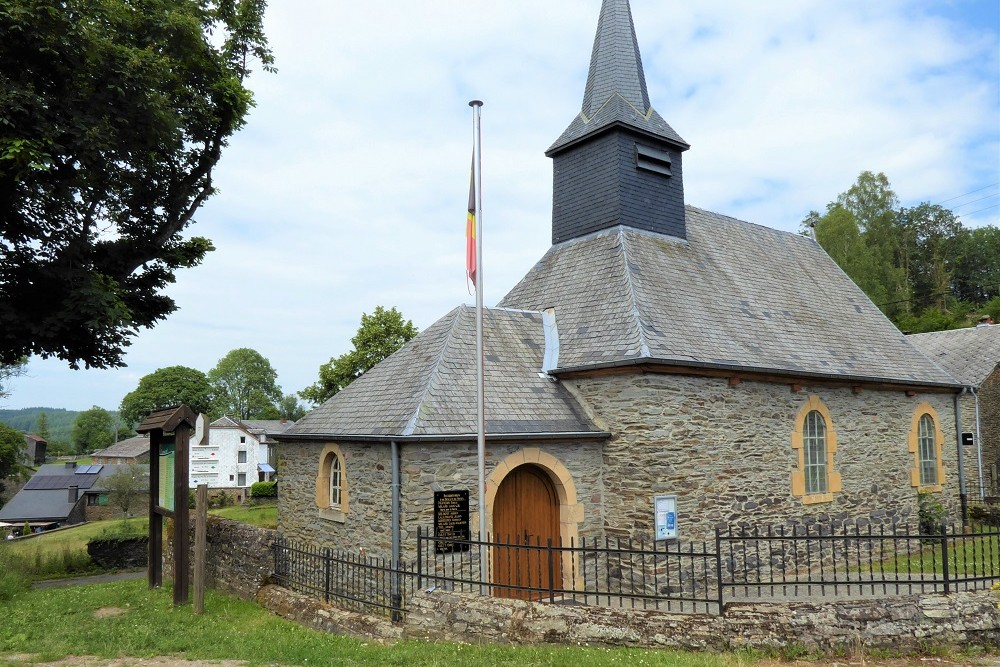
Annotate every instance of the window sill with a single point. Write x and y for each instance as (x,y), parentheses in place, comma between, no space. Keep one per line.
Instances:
(330,514)
(930,488)
(817,498)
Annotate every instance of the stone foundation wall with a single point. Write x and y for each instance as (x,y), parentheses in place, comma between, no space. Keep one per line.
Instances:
(726,452)
(906,623)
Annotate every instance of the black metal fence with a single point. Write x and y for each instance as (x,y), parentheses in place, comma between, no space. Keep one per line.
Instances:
(772,563)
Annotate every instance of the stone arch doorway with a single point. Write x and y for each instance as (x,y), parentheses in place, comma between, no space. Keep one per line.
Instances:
(526,521)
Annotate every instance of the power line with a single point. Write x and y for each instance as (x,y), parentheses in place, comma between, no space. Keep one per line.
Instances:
(982,209)
(991,185)
(973,201)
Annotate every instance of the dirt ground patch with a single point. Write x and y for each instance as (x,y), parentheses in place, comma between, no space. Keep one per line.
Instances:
(109,612)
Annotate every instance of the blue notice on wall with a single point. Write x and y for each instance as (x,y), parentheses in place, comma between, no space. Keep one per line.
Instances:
(665,517)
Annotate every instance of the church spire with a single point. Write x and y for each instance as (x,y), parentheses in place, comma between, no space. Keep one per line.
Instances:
(616,85)
(618,163)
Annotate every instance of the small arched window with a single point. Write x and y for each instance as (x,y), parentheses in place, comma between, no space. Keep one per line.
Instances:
(335,481)
(925,443)
(814,476)
(814,442)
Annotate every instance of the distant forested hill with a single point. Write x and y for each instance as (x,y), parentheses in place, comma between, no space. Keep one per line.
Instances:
(25,419)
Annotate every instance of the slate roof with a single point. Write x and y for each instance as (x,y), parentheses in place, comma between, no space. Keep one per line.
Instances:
(268,426)
(128,448)
(38,501)
(968,354)
(428,388)
(734,295)
(616,84)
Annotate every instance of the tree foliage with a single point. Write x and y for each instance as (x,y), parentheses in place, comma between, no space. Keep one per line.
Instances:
(290,408)
(244,385)
(919,265)
(113,114)
(11,442)
(125,486)
(164,388)
(380,334)
(94,429)
(42,426)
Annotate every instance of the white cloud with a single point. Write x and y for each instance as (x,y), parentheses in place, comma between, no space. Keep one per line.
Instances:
(347,188)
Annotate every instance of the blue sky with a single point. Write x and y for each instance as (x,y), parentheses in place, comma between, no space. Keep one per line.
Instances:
(347,189)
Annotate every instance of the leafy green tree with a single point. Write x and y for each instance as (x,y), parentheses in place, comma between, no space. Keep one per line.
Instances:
(125,486)
(11,442)
(380,334)
(42,426)
(164,388)
(244,385)
(114,115)
(290,408)
(94,429)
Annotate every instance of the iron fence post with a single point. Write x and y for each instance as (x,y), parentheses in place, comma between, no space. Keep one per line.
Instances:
(420,559)
(326,574)
(552,572)
(718,565)
(944,558)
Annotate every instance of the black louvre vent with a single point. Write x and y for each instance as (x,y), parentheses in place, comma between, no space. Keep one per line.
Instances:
(651,159)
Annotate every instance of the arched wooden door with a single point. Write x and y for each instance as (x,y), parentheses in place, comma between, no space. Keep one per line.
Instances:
(525,518)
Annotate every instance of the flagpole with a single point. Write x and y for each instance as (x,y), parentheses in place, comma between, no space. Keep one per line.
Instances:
(477,156)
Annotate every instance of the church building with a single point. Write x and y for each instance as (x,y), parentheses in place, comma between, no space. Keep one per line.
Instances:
(657,350)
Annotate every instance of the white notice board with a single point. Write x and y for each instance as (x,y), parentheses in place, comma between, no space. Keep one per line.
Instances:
(665,517)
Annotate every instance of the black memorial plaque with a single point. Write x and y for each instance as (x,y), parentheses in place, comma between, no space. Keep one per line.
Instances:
(968,439)
(451,521)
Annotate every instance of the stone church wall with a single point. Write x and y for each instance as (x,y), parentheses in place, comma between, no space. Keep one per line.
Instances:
(726,452)
(989,426)
(425,468)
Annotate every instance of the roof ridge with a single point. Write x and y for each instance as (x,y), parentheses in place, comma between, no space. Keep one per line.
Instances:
(630,286)
(411,423)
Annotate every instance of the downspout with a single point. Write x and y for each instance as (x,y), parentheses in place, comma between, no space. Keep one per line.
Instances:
(962,495)
(396,598)
(979,449)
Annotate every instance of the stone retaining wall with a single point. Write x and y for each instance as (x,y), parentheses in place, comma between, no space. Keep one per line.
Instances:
(239,558)
(905,623)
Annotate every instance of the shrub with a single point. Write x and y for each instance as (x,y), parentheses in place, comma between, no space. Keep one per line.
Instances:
(264,490)
(932,513)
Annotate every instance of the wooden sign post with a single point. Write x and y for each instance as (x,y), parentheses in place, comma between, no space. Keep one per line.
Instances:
(169,434)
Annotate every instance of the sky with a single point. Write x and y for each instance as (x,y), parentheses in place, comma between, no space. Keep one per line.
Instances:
(348,187)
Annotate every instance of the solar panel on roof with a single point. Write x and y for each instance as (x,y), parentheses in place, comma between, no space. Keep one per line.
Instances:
(83,470)
(52,482)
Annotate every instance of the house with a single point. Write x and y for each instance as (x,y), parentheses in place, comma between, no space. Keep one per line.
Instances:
(656,352)
(34,450)
(66,493)
(972,356)
(234,453)
(130,450)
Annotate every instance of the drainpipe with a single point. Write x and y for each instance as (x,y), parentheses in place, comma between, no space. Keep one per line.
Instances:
(962,496)
(394,576)
(979,448)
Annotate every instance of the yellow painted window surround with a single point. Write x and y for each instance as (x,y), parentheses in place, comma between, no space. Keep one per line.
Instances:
(925,442)
(331,484)
(814,441)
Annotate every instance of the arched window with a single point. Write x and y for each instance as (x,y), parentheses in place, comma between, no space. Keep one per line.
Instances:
(335,481)
(814,442)
(925,443)
(814,477)
(332,484)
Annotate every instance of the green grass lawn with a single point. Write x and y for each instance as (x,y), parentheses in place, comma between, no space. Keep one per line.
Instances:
(264,516)
(126,619)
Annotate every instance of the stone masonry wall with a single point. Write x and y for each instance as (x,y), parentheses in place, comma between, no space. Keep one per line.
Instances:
(425,468)
(239,557)
(726,452)
(989,424)
(967,409)
(898,623)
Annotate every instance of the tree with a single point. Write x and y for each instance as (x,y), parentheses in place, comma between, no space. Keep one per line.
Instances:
(125,486)
(164,388)
(244,385)
(380,334)
(114,115)
(42,426)
(11,442)
(94,429)
(10,371)
(290,408)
